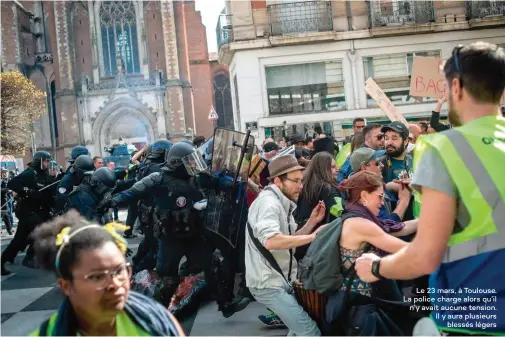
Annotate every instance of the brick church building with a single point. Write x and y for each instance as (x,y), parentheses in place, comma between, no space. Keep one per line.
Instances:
(132,69)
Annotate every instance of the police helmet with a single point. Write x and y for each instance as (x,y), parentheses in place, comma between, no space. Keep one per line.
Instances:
(39,157)
(183,154)
(84,163)
(159,149)
(77,151)
(105,176)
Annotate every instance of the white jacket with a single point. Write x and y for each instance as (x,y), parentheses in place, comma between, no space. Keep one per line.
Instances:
(268,215)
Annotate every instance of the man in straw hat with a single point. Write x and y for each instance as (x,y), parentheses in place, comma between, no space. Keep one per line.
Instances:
(271,238)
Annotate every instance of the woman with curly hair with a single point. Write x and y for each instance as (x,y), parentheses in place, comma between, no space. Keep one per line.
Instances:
(89,262)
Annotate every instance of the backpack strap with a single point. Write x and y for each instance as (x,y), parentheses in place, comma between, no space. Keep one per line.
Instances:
(266,253)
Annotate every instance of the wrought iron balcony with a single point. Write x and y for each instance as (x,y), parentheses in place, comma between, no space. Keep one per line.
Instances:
(300,17)
(483,9)
(397,13)
(224,30)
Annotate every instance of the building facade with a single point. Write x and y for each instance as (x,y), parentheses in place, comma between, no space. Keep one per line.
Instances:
(132,69)
(296,66)
(222,93)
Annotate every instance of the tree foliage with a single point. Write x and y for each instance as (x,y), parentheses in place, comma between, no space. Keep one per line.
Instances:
(22,103)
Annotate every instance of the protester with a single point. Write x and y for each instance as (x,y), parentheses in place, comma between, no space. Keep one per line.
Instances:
(272,235)
(374,139)
(319,183)
(435,117)
(357,126)
(461,235)
(98,162)
(89,262)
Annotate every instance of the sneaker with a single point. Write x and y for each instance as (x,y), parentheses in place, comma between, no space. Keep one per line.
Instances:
(272,320)
(5,272)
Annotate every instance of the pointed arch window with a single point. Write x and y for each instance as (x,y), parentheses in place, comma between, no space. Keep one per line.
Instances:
(118,25)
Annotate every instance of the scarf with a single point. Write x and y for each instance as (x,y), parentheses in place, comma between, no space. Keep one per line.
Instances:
(388,226)
(145,312)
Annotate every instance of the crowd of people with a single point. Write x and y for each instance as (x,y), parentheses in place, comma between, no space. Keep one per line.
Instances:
(407,201)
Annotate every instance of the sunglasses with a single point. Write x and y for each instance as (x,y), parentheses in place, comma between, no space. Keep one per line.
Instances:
(457,66)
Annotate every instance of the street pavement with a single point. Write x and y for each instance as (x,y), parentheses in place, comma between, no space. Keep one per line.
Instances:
(29,296)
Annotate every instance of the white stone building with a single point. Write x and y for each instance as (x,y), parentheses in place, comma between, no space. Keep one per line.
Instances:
(296,65)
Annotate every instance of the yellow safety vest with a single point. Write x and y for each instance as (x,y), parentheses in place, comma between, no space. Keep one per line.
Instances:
(474,155)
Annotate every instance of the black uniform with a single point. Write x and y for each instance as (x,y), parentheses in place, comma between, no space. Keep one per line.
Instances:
(94,189)
(178,225)
(73,177)
(33,206)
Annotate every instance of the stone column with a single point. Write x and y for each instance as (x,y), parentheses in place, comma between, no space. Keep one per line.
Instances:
(96,9)
(141,38)
(94,34)
(176,120)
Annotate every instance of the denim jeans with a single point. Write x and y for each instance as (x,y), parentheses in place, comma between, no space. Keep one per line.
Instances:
(286,306)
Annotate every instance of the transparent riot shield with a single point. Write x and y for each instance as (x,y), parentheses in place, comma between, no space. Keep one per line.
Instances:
(227,205)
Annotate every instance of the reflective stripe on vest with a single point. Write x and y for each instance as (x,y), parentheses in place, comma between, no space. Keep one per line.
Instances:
(474,156)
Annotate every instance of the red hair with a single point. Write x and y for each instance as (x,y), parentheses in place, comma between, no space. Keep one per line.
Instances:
(359,182)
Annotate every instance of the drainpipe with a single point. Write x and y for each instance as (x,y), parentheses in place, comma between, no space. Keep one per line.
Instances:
(349,15)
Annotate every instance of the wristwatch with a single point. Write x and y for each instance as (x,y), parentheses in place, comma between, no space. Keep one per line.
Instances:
(375,269)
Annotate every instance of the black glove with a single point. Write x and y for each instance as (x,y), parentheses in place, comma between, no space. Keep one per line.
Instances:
(104,206)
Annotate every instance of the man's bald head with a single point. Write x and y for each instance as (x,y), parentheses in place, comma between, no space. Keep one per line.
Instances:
(415,131)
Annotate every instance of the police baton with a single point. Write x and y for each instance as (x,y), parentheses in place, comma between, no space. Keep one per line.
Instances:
(45,187)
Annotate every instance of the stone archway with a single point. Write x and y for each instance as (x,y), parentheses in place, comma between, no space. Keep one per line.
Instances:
(123,117)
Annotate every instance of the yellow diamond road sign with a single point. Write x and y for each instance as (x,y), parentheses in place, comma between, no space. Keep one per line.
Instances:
(213,114)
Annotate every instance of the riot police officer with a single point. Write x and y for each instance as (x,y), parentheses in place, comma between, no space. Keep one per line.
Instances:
(69,180)
(146,252)
(35,198)
(94,188)
(178,224)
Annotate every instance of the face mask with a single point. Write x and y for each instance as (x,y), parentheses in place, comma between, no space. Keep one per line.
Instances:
(410,147)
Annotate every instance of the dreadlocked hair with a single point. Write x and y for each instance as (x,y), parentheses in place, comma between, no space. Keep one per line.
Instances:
(46,243)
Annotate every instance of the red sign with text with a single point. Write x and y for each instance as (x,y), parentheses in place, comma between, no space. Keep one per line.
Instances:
(427,79)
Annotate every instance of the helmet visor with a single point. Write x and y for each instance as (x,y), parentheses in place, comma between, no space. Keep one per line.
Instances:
(194,163)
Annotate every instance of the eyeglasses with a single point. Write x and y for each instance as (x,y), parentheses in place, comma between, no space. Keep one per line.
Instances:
(379,137)
(455,56)
(102,279)
(298,182)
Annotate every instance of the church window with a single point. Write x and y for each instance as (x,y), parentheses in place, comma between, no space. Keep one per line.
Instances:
(118,26)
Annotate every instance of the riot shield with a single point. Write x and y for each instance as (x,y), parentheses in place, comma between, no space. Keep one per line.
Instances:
(228,156)
(227,205)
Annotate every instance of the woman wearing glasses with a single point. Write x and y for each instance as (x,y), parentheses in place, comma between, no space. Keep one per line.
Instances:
(92,272)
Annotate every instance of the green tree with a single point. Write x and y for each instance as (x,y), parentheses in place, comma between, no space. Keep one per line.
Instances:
(22,103)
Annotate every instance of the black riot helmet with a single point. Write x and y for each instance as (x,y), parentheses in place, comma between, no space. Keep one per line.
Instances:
(158,150)
(84,163)
(38,159)
(183,158)
(103,180)
(77,151)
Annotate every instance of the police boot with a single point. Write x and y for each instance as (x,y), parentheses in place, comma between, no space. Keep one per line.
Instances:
(166,289)
(5,272)
(29,262)
(229,308)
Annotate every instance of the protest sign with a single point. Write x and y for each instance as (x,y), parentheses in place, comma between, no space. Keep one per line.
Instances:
(426,78)
(383,101)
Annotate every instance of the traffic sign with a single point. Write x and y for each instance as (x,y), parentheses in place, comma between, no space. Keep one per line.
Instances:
(213,114)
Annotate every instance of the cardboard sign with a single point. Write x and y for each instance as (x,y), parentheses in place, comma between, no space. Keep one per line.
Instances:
(426,78)
(384,102)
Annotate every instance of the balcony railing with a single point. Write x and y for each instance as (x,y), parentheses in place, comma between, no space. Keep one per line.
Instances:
(482,9)
(397,13)
(224,30)
(300,17)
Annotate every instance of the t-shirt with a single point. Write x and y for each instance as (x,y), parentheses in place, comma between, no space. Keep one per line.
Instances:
(395,167)
(432,173)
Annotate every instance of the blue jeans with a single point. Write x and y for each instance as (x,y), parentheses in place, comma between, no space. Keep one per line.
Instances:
(286,306)
(116,214)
